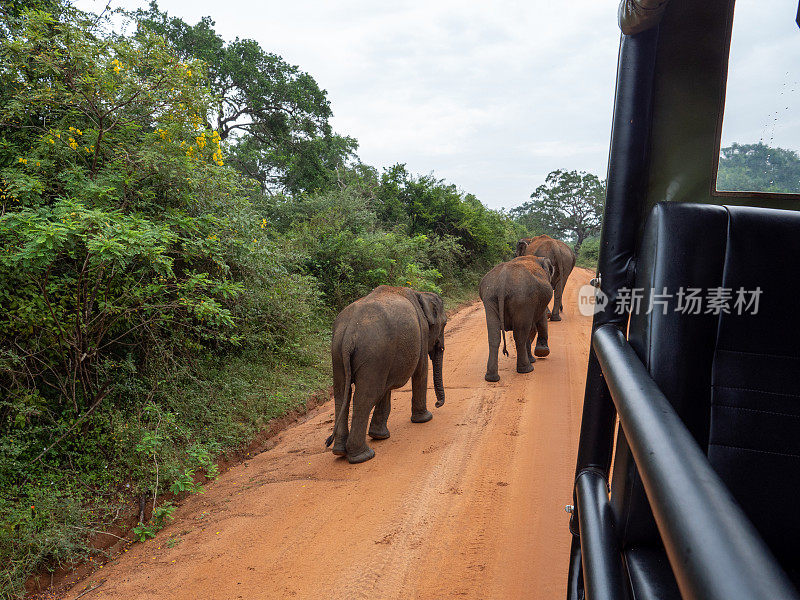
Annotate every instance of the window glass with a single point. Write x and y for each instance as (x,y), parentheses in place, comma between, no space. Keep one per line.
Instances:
(761,124)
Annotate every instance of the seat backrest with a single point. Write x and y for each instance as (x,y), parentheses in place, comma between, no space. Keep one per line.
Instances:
(733,377)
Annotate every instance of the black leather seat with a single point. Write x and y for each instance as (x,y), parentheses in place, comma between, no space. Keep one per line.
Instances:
(733,378)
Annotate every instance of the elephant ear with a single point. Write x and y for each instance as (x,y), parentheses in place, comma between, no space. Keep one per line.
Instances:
(430,308)
(522,245)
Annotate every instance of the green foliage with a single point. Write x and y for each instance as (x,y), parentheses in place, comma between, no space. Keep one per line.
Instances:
(160,308)
(589,253)
(400,230)
(424,204)
(758,168)
(161,516)
(344,249)
(275,114)
(50,527)
(569,204)
(131,262)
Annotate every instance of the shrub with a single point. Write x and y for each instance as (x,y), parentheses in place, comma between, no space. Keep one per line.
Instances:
(133,264)
(589,253)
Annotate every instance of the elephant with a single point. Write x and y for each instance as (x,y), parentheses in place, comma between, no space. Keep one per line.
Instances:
(563,259)
(378,343)
(515,296)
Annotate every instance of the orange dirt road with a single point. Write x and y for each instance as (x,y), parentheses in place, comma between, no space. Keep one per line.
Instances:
(469,505)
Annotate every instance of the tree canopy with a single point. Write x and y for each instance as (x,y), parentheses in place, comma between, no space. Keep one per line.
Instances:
(568,205)
(274,114)
(758,168)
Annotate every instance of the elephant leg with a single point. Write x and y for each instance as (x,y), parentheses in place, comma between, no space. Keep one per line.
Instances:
(522,340)
(542,349)
(558,292)
(531,357)
(493,327)
(357,449)
(419,393)
(339,395)
(380,416)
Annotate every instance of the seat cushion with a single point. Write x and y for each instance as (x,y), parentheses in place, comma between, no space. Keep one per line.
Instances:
(754,441)
(733,378)
(683,246)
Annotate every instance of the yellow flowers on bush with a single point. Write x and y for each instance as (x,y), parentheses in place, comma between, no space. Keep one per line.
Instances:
(5,193)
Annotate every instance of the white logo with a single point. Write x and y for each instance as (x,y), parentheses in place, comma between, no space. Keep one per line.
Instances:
(591,300)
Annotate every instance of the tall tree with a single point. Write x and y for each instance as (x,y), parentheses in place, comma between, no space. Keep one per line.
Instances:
(569,204)
(758,168)
(274,116)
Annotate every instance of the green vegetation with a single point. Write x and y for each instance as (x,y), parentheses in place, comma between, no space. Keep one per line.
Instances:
(569,206)
(178,227)
(589,254)
(758,168)
(277,114)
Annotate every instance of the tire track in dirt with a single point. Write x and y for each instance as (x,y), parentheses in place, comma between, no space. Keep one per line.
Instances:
(469,505)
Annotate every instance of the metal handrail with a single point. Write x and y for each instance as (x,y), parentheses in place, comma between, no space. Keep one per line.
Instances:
(601,564)
(714,550)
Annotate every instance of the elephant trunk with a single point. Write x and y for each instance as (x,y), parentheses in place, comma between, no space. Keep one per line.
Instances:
(438,383)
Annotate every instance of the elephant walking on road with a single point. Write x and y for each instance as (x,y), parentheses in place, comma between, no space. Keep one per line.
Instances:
(563,259)
(379,342)
(515,296)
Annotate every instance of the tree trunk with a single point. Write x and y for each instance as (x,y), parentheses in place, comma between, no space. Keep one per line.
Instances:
(579,242)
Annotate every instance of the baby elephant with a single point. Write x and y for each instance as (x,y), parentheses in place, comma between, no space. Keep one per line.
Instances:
(515,295)
(379,342)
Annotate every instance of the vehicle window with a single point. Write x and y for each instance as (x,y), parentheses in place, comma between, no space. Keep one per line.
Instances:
(760,145)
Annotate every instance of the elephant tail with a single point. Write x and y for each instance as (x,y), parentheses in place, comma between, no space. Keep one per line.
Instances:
(345,410)
(501,300)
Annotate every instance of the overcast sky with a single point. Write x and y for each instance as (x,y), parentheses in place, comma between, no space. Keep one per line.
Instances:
(764,75)
(493,96)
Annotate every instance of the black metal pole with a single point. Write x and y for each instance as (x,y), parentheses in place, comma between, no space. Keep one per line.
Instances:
(602,566)
(624,208)
(714,550)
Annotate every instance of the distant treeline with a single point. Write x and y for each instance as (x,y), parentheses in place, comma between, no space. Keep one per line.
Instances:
(758,168)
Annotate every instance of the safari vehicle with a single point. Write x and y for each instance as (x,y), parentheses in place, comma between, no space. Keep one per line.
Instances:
(688,472)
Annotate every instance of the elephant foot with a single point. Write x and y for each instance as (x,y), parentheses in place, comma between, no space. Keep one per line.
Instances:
(339,449)
(524,369)
(541,351)
(531,358)
(493,377)
(422,417)
(362,456)
(555,317)
(379,433)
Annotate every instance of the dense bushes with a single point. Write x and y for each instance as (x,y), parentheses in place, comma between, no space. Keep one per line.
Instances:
(589,253)
(342,239)
(159,307)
